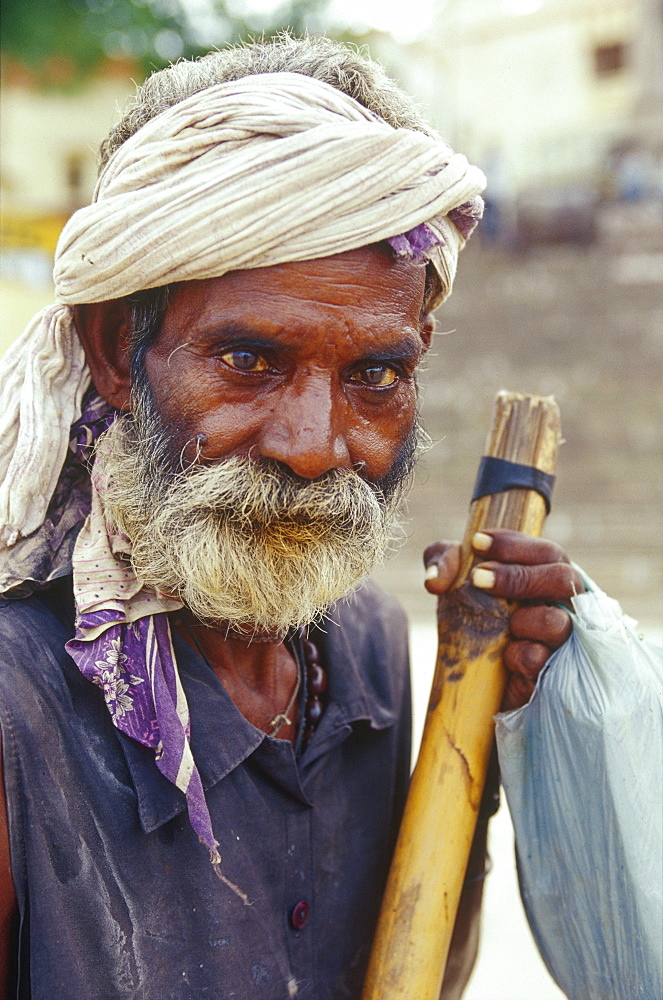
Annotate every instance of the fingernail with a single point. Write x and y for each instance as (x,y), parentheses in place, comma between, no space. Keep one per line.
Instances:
(483,578)
(432,571)
(481,541)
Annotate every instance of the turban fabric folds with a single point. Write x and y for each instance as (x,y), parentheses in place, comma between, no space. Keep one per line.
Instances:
(267,169)
(271,168)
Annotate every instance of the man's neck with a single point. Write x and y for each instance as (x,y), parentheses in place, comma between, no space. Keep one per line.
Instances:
(259,677)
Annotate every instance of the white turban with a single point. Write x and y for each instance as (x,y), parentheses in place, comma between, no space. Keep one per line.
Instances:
(267,169)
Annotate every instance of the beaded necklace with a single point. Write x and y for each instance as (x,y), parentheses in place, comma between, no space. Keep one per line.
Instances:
(316,681)
(316,686)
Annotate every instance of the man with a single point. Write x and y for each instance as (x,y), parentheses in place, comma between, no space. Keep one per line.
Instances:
(206,746)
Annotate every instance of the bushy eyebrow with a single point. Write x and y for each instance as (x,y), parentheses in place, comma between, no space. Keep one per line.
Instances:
(406,349)
(403,349)
(228,334)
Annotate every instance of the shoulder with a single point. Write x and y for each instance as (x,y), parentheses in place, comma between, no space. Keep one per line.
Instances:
(367,634)
(370,613)
(33,661)
(28,626)
(44,616)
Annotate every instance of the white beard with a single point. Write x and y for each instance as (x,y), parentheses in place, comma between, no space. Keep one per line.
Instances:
(242,541)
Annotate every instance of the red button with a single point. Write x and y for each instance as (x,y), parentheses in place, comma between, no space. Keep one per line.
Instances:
(299,915)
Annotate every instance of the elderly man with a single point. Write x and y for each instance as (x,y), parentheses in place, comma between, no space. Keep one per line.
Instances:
(206,747)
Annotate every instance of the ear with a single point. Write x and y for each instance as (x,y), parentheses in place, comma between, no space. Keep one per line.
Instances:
(103,328)
(427,329)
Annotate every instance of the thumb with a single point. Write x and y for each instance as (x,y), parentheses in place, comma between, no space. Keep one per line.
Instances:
(442,562)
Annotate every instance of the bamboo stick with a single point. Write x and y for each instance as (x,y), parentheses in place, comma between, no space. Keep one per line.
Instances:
(427,872)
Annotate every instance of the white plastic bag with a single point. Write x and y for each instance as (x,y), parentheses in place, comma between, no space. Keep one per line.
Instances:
(582,768)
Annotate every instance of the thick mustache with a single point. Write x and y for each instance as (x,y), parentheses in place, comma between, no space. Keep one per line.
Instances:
(236,484)
(258,496)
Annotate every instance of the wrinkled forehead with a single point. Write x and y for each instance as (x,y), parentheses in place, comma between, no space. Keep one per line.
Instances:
(356,293)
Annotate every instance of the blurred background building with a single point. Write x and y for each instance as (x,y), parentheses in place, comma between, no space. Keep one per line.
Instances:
(67,69)
(561,103)
(560,100)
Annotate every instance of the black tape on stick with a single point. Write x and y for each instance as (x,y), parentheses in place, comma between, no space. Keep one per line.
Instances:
(496,475)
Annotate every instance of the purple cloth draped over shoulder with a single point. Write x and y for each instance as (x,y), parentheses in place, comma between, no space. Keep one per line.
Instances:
(123,642)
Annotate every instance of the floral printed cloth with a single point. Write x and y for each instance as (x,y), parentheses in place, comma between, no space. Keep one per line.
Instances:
(123,644)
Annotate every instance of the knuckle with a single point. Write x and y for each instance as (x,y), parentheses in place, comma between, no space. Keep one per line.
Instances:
(536,657)
(542,623)
(552,620)
(516,580)
(552,582)
(556,553)
(526,658)
(511,657)
(557,623)
(435,551)
(519,623)
(518,693)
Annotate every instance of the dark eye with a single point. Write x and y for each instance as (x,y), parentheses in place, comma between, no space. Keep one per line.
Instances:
(376,375)
(245,361)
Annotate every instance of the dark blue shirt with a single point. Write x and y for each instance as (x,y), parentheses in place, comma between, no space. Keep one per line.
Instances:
(117,896)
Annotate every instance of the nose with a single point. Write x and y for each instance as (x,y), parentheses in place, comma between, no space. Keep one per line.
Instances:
(305,428)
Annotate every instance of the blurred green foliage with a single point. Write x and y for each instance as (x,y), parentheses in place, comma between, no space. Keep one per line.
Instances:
(62,42)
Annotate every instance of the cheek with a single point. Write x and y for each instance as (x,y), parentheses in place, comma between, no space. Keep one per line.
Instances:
(378,441)
(189,404)
(214,431)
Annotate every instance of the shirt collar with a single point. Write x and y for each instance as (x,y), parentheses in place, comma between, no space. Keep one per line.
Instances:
(359,684)
(221,738)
